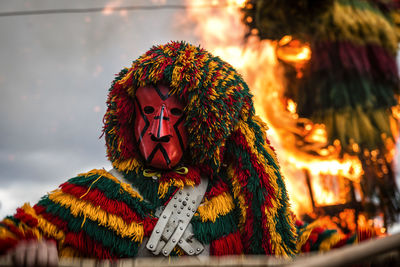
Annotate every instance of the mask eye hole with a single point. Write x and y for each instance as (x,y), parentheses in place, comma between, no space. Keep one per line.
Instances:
(176,112)
(148,109)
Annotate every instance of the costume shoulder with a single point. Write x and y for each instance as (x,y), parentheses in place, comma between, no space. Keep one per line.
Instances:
(91,215)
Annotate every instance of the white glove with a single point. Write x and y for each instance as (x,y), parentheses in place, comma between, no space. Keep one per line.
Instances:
(35,253)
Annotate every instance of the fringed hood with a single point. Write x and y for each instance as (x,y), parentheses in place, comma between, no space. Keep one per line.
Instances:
(225,138)
(215,94)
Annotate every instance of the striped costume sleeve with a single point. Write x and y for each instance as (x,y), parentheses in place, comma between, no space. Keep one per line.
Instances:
(92,215)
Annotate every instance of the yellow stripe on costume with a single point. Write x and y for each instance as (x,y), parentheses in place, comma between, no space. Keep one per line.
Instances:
(95,213)
(4,233)
(126,78)
(22,227)
(237,194)
(278,246)
(270,170)
(361,26)
(216,206)
(305,234)
(330,242)
(47,228)
(165,185)
(104,174)
(69,252)
(127,164)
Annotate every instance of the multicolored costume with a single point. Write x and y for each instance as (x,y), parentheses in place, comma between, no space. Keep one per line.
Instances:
(245,209)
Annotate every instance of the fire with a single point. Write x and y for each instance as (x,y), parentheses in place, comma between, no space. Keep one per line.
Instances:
(221,31)
(293,51)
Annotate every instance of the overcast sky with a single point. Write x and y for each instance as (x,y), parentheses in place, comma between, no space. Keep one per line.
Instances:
(55,72)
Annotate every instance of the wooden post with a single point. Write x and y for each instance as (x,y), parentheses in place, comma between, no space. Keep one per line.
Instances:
(308,181)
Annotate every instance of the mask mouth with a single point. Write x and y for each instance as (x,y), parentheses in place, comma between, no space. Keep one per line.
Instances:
(164,139)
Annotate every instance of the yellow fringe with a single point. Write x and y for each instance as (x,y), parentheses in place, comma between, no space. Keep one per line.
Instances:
(104,174)
(86,209)
(305,234)
(165,185)
(237,194)
(4,233)
(331,241)
(90,187)
(45,226)
(68,252)
(127,76)
(278,246)
(127,164)
(360,26)
(216,206)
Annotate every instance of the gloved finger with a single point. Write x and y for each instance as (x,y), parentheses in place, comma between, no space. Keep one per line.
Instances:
(20,254)
(31,254)
(52,254)
(42,253)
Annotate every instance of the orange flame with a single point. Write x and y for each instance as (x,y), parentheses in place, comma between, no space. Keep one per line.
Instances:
(221,31)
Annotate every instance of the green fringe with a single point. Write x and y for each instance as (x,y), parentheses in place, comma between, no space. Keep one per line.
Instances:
(122,247)
(208,231)
(325,235)
(363,127)
(323,91)
(148,188)
(113,191)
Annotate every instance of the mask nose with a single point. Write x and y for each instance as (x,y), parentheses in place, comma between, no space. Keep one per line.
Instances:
(161,128)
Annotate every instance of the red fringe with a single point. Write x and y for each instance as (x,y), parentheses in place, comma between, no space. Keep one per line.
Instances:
(368,60)
(312,239)
(148,225)
(243,176)
(218,188)
(365,233)
(13,229)
(26,218)
(7,244)
(97,198)
(54,219)
(342,242)
(84,244)
(81,241)
(125,106)
(239,138)
(227,245)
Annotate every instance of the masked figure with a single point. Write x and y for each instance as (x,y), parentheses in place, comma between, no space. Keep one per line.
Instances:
(193,171)
(159,131)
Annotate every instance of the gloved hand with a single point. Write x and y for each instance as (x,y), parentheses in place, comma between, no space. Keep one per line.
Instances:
(35,253)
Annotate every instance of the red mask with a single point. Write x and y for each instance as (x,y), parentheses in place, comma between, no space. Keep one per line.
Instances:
(159,130)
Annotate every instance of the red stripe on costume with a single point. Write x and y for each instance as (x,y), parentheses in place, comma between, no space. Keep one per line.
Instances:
(80,241)
(26,218)
(239,138)
(26,234)
(148,225)
(217,189)
(97,198)
(7,244)
(227,245)
(54,219)
(83,243)
(354,57)
(241,175)
(124,114)
(312,239)
(342,242)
